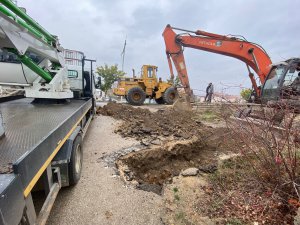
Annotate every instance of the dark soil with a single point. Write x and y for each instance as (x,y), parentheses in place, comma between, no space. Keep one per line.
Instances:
(157,165)
(141,123)
(182,142)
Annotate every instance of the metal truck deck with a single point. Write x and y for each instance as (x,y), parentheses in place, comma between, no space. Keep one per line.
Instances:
(33,132)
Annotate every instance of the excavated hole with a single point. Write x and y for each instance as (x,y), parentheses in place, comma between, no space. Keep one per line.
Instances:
(151,168)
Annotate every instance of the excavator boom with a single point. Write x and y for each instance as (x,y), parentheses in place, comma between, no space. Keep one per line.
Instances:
(252,54)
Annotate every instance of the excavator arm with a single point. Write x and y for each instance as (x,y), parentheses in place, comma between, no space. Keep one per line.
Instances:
(252,54)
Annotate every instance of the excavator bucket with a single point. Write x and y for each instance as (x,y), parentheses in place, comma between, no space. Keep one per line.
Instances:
(182,103)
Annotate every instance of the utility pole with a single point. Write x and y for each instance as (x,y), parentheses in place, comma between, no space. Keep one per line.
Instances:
(123,54)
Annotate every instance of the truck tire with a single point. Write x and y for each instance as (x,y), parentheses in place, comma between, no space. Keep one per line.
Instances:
(160,101)
(75,164)
(136,96)
(170,95)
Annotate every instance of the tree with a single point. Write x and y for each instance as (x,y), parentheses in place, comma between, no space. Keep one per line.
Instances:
(246,93)
(109,75)
(176,82)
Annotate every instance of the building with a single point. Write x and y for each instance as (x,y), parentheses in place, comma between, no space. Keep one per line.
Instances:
(73,57)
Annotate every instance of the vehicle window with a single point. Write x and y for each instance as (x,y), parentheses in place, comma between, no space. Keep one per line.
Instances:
(274,78)
(9,57)
(155,72)
(3,55)
(150,72)
(72,74)
(34,57)
(290,76)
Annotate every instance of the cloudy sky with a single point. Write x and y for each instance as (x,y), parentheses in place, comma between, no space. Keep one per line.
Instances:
(99,28)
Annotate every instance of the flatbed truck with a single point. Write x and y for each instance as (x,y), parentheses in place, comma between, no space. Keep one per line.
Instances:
(41,133)
(42,149)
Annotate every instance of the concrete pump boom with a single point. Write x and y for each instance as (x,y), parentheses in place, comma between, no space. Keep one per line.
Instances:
(21,35)
(252,54)
(28,23)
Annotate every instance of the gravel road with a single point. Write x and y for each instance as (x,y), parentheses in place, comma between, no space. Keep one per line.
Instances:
(100,197)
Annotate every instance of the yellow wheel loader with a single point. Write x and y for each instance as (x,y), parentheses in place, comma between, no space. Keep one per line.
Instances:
(136,90)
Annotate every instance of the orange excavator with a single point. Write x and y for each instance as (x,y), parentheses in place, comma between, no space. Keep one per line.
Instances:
(253,55)
(279,82)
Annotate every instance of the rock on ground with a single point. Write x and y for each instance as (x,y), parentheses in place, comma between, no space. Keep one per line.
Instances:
(190,172)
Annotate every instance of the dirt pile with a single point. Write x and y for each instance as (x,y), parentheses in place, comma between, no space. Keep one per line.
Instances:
(152,127)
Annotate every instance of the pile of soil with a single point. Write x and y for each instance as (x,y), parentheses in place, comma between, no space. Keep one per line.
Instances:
(142,124)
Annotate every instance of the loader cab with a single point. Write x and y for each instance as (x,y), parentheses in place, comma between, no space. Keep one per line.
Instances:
(149,75)
(283,81)
(149,72)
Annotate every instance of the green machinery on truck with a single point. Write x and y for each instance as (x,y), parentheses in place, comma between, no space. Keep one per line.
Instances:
(41,133)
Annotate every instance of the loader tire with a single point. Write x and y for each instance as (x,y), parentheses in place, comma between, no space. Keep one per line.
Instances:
(170,95)
(160,101)
(136,96)
(126,98)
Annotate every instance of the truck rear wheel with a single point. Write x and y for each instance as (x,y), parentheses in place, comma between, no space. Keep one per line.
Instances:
(136,96)
(170,95)
(75,165)
(160,101)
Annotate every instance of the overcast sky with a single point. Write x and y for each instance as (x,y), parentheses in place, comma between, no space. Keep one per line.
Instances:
(98,28)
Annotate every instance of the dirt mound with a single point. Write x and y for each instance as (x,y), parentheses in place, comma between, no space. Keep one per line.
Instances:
(120,111)
(143,124)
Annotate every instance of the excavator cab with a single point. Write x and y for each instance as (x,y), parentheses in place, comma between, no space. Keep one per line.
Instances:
(282,82)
